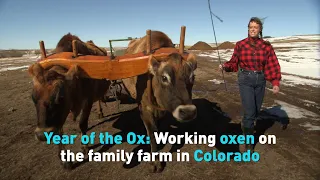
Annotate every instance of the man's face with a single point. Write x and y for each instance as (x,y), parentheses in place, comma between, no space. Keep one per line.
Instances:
(254,29)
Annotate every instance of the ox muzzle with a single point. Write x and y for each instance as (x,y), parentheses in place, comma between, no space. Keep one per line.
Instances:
(185,113)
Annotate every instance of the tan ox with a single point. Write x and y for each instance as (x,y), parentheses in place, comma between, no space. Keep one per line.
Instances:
(170,91)
(57,91)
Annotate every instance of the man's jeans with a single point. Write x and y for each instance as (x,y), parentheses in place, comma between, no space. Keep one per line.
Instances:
(252,88)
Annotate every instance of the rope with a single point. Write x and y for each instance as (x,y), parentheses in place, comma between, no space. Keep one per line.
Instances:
(211,13)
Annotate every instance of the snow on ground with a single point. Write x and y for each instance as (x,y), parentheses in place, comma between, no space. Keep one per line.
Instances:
(286,110)
(310,127)
(297,37)
(298,45)
(225,54)
(303,61)
(296,58)
(309,102)
(7,64)
(290,80)
(13,68)
(270,89)
(216,81)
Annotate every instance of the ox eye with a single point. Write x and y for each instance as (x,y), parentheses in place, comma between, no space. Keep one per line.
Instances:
(60,99)
(164,78)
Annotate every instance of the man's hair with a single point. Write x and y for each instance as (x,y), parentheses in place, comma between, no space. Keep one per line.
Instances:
(258,21)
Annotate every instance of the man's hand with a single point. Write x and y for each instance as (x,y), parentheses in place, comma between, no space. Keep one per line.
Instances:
(275,89)
(221,66)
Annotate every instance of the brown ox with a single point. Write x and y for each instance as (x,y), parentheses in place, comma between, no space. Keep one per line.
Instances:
(170,91)
(57,91)
(88,48)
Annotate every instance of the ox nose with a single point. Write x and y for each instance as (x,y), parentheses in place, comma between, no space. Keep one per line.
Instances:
(185,113)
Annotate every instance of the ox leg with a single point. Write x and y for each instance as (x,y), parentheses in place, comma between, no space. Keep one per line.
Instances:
(83,123)
(100,114)
(151,127)
(65,164)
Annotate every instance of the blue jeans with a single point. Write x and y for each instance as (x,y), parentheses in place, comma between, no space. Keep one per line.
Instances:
(252,88)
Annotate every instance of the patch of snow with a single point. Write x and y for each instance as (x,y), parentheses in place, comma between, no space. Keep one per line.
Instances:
(215,81)
(295,44)
(2,65)
(310,127)
(300,62)
(30,55)
(278,92)
(285,110)
(309,37)
(13,68)
(310,102)
(295,80)
(283,38)
(20,59)
(225,54)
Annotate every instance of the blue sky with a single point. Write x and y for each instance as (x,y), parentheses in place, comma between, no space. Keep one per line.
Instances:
(23,23)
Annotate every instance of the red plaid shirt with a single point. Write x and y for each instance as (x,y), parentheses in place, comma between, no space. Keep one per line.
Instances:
(258,58)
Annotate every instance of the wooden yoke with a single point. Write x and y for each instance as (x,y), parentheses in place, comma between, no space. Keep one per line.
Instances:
(74,48)
(149,82)
(42,50)
(182,37)
(149,41)
(107,67)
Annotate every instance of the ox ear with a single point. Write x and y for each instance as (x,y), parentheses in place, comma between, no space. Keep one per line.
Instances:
(72,73)
(192,62)
(154,65)
(36,71)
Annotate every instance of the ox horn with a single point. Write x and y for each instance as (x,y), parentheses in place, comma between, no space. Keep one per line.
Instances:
(73,72)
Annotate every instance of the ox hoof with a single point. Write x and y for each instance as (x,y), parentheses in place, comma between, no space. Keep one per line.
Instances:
(67,165)
(157,167)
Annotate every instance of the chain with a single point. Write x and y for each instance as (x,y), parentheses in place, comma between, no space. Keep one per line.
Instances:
(114,88)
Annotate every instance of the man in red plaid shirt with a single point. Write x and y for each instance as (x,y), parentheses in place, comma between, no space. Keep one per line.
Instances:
(256,62)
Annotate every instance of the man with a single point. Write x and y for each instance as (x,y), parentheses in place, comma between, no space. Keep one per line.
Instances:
(257,63)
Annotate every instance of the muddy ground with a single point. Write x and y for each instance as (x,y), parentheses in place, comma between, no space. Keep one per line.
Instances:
(296,155)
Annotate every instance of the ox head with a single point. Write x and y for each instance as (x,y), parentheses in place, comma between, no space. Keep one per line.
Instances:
(51,97)
(172,83)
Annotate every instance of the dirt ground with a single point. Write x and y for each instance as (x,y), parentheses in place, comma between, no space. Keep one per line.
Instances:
(296,154)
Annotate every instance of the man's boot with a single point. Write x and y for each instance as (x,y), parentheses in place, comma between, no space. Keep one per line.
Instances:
(245,147)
